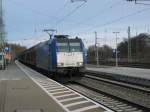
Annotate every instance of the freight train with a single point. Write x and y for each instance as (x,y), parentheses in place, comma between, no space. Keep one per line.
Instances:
(59,55)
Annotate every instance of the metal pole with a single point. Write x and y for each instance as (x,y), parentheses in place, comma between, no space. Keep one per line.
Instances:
(129,45)
(1,25)
(116,48)
(116,52)
(96,49)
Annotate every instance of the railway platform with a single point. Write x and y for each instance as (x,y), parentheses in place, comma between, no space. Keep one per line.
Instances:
(25,90)
(133,75)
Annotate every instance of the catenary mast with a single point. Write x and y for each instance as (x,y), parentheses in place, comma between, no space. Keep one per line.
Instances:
(2,32)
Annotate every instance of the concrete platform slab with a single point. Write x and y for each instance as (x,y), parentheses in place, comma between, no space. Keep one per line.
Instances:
(126,71)
(25,90)
(18,93)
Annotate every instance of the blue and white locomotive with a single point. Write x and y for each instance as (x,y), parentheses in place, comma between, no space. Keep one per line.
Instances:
(57,55)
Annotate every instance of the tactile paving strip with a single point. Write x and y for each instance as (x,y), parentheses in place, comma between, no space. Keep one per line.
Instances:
(70,100)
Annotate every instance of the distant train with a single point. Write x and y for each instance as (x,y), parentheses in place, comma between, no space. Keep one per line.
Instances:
(57,55)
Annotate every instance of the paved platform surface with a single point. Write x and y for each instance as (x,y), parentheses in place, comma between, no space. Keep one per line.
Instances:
(18,93)
(131,72)
(24,90)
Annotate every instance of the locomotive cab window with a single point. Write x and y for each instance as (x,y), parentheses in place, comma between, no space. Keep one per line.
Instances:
(62,47)
(75,47)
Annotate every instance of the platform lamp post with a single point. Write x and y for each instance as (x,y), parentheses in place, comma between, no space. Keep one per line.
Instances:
(116,33)
(50,32)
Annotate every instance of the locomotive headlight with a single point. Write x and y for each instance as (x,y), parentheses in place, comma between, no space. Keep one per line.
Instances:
(79,63)
(60,64)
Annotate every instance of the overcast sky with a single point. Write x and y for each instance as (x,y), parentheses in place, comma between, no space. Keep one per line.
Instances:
(25,19)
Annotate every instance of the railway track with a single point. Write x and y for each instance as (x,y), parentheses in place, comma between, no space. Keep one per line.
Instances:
(118,96)
(120,78)
(106,100)
(131,93)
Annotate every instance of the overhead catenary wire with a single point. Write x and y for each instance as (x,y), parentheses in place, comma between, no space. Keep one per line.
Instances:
(48,16)
(141,2)
(63,7)
(32,10)
(100,12)
(37,12)
(115,20)
(69,14)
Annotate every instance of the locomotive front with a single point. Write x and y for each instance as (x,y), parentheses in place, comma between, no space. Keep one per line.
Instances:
(70,54)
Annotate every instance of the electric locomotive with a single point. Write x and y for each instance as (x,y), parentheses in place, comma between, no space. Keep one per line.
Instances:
(57,55)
